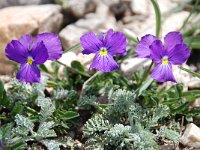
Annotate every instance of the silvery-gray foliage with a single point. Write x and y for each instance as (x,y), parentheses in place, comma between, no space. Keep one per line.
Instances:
(125,124)
(25,126)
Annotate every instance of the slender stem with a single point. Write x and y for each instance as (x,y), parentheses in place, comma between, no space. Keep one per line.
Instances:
(149,69)
(181,129)
(87,82)
(76,46)
(190,14)
(129,35)
(146,73)
(158,16)
(195,74)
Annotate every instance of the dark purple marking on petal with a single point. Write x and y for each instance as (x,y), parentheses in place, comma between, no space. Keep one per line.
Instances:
(39,53)
(52,43)
(179,54)
(104,63)
(157,51)
(90,43)
(27,41)
(173,38)
(28,73)
(142,49)
(163,73)
(16,51)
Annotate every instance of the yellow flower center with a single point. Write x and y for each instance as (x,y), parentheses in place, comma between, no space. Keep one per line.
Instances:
(30,60)
(103,52)
(165,60)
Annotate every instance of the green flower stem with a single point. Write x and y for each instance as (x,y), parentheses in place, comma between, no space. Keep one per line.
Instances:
(158,17)
(190,14)
(146,73)
(75,47)
(195,74)
(88,81)
(158,27)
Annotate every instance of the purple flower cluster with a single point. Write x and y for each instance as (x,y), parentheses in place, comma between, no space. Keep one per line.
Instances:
(173,52)
(47,46)
(104,47)
(29,53)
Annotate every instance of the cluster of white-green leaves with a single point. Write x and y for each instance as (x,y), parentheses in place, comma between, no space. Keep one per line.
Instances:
(125,124)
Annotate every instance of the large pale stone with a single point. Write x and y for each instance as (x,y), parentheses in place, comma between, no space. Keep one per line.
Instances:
(131,65)
(81,7)
(7,3)
(196,103)
(70,35)
(137,5)
(99,21)
(19,20)
(171,23)
(191,136)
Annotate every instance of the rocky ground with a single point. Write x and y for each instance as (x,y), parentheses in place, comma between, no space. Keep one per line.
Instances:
(72,18)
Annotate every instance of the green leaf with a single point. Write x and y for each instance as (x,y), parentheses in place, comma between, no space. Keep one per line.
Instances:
(3,98)
(18,108)
(193,41)
(4,101)
(77,65)
(158,17)
(195,93)
(44,68)
(67,115)
(19,144)
(144,86)
(1,88)
(181,108)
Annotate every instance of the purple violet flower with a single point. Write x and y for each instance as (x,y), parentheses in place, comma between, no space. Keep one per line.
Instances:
(142,49)
(104,47)
(52,43)
(30,53)
(173,52)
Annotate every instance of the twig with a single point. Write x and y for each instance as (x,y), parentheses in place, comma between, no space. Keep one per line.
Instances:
(182,122)
(180,133)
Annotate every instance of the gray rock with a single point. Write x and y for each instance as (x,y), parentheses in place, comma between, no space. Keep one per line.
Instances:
(7,3)
(196,103)
(191,136)
(131,65)
(70,35)
(137,5)
(96,22)
(77,8)
(19,20)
